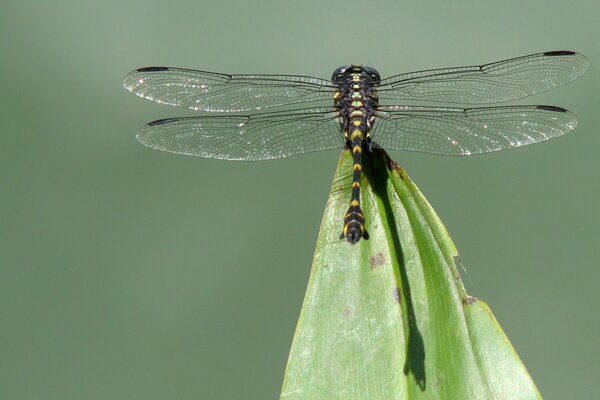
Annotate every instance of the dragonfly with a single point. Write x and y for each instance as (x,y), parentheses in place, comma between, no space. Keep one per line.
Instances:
(234,127)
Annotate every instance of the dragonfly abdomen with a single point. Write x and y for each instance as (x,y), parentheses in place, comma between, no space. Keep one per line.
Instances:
(357,129)
(354,220)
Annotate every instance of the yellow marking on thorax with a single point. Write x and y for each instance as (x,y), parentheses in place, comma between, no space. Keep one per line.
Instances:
(355,95)
(356,123)
(356,134)
(336,95)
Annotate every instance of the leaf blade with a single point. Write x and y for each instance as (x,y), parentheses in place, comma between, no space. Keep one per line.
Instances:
(389,317)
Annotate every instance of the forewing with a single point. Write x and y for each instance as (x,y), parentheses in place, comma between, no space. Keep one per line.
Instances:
(246,138)
(209,91)
(490,83)
(463,132)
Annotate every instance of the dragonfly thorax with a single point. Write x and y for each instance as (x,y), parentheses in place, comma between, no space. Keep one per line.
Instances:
(356,97)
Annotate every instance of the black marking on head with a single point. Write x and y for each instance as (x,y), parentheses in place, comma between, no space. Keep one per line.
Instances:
(340,73)
(372,73)
(162,121)
(559,53)
(152,69)
(368,73)
(551,108)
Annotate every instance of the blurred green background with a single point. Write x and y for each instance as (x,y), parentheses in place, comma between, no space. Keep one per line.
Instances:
(128,273)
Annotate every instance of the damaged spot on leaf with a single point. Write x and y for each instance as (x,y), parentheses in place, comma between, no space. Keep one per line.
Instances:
(469,300)
(397,295)
(377,260)
(394,166)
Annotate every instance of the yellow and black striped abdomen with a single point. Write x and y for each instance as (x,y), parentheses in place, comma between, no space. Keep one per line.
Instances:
(356,135)
(356,100)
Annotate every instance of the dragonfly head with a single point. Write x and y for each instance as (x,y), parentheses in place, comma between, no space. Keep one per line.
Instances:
(362,73)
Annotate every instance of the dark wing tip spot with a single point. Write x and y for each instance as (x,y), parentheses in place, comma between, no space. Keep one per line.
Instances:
(152,69)
(552,108)
(559,53)
(162,121)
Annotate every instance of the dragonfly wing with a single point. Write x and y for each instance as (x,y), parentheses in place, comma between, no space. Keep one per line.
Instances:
(490,83)
(247,138)
(209,91)
(463,132)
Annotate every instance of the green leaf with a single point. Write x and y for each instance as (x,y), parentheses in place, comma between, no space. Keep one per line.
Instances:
(389,318)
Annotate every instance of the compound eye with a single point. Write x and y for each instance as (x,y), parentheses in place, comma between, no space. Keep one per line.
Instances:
(372,73)
(339,73)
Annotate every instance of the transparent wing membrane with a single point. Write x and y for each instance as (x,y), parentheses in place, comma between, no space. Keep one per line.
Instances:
(438,130)
(463,132)
(490,83)
(208,91)
(247,138)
